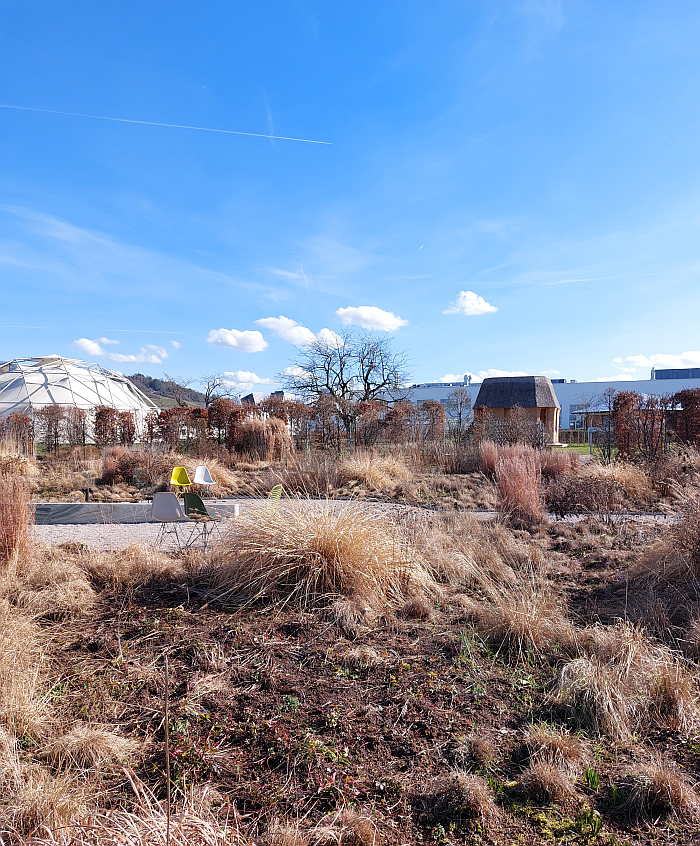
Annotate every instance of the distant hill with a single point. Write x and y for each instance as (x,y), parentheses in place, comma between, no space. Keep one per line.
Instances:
(163,393)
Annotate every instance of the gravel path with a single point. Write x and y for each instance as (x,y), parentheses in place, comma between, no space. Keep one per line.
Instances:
(103,535)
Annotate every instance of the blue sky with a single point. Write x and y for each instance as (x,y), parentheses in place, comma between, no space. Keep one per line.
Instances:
(508,186)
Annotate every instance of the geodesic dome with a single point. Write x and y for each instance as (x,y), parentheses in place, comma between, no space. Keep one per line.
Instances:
(27,384)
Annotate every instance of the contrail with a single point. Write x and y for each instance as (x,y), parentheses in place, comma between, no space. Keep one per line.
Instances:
(168,125)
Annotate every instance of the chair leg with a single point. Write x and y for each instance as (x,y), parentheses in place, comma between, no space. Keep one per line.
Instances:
(167,529)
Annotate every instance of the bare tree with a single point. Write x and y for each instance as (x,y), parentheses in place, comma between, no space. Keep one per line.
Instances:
(357,367)
(607,405)
(178,386)
(214,385)
(459,411)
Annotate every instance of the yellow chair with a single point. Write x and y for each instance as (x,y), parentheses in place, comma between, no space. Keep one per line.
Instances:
(180,477)
(273,498)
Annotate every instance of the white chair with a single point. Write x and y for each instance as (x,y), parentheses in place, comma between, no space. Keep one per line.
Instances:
(167,511)
(202,476)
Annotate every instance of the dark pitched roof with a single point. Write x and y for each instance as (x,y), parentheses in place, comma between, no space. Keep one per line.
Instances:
(525,391)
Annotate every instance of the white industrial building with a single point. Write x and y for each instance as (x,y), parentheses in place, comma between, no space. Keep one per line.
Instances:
(28,384)
(574,396)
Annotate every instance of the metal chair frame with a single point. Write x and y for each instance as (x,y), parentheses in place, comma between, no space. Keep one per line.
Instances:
(204,523)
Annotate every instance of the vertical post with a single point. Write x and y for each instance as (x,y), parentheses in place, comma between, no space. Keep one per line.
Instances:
(167,750)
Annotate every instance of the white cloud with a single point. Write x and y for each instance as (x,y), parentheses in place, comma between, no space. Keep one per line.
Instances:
(295,370)
(293,332)
(237,376)
(106,341)
(150,354)
(691,358)
(480,375)
(244,380)
(288,329)
(88,346)
(371,317)
(176,344)
(249,340)
(470,304)
(619,377)
(330,338)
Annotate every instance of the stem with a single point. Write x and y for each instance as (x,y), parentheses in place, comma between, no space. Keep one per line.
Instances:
(167,750)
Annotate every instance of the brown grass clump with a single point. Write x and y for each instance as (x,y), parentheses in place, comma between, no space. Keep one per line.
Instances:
(597,698)
(554,462)
(350,615)
(136,566)
(622,679)
(192,824)
(471,751)
(416,608)
(545,743)
(546,781)
(466,552)
(464,795)
(375,472)
(347,828)
(361,658)
(631,477)
(86,746)
(263,440)
(16,520)
(302,554)
(656,789)
(524,619)
(310,474)
(519,484)
(14,464)
(23,710)
(488,457)
(46,803)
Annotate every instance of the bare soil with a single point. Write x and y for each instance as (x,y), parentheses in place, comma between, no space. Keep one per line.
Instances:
(289,718)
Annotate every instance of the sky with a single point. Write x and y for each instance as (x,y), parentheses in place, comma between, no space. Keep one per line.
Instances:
(510,186)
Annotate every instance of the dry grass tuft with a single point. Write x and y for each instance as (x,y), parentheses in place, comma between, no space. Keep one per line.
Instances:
(16,520)
(631,477)
(597,697)
(350,615)
(555,462)
(23,709)
(303,554)
(622,679)
(86,746)
(466,552)
(557,745)
(524,619)
(191,825)
(46,803)
(347,828)
(656,789)
(375,472)
(361,658)
(284,834)
(547,781)
(519,484)
(464,795)
(51,586)
(471,751)
(416,608)
(136,566)
(488,457)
